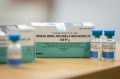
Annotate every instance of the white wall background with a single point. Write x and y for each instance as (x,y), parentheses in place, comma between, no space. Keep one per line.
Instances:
(105,14)
(23,12)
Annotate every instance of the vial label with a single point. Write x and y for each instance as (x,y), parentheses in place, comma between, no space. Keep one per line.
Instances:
(108,50)
(96,50)
(14,54)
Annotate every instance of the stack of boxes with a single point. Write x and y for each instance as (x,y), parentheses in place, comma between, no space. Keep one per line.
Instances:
(50,39)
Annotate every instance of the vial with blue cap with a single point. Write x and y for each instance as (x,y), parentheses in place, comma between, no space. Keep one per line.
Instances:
(14,55)
(96,44)
(109,46)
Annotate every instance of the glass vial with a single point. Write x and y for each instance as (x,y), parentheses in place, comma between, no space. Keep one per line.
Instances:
(96,45)
(14,54)
(109,45)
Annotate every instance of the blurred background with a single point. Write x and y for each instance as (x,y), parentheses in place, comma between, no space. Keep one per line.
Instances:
(105,14)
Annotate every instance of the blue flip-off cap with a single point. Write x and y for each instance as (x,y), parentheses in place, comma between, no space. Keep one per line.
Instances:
(14,36)
(97,32)
(109,33)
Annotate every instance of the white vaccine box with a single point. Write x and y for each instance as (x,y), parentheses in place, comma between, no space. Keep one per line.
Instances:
(62,40)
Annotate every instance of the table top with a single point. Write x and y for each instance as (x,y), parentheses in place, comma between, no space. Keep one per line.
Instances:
(57,68)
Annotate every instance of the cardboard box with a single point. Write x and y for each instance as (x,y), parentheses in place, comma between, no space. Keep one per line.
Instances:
(3,48)
(62,40)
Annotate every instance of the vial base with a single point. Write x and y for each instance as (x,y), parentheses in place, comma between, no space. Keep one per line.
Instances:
(14,62)
(97,59)
(108,59)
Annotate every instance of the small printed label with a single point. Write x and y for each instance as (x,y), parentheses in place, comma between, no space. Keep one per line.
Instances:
(69,34)
(96,49)
(108,50)
(14,54)
(108,47)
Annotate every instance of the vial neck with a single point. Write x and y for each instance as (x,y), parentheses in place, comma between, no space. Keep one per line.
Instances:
(110,37)
(14,42)
(97,37)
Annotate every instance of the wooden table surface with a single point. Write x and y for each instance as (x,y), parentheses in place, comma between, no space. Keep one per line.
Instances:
(57,68)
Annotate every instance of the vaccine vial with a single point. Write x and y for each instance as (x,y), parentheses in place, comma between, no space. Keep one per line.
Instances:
(96,45)
(109,46)
(14,50)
